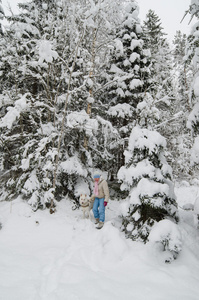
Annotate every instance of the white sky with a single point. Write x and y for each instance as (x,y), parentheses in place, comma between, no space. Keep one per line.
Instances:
(170,12)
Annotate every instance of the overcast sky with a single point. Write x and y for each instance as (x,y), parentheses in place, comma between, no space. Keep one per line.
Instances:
(170,12)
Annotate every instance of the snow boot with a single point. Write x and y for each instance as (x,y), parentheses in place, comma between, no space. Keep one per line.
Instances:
(96,221)
(100,225)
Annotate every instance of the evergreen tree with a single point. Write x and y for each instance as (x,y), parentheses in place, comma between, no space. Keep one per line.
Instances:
(147,178)
(153,34)
(182,67)
(164,86)
(192,57)
(179,42)
(160,62)
(128,77)
(129,61)
(179,144)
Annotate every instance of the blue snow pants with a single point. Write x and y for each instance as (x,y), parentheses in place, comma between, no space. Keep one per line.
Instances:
(99,209)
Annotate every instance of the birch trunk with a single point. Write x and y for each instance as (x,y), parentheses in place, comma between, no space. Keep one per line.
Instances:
(91,73)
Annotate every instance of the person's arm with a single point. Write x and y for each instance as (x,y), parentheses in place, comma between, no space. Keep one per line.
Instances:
(106,191)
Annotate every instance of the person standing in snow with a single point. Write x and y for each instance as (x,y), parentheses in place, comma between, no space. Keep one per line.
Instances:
(100,198)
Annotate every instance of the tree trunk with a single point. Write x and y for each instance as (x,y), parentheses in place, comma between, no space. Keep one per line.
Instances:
(91,73)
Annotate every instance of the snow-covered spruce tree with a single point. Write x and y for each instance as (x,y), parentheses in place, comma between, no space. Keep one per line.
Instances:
(179,42)
(161,65)
(147,178)
(164,86)
(160,60)
(128,67)
(180,141)
(192,56)
(128,76)
(182,68)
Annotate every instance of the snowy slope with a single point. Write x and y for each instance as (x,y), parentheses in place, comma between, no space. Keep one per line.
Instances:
(63,257)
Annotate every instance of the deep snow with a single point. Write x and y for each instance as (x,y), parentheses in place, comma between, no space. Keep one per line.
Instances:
(63,257)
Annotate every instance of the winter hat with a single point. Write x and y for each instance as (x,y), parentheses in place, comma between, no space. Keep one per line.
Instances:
(96,176)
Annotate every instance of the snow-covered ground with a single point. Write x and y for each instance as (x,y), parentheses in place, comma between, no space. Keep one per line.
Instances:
(63,257)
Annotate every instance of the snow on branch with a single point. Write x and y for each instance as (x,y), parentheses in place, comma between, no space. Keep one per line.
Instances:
(14,112)
(145,139)
(121,110)
(82,121)
(73,166)
(46,53)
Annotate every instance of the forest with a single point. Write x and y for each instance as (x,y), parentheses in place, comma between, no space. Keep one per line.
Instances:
(85,86)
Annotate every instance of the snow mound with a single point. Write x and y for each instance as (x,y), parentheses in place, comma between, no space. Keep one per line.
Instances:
(168,237)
